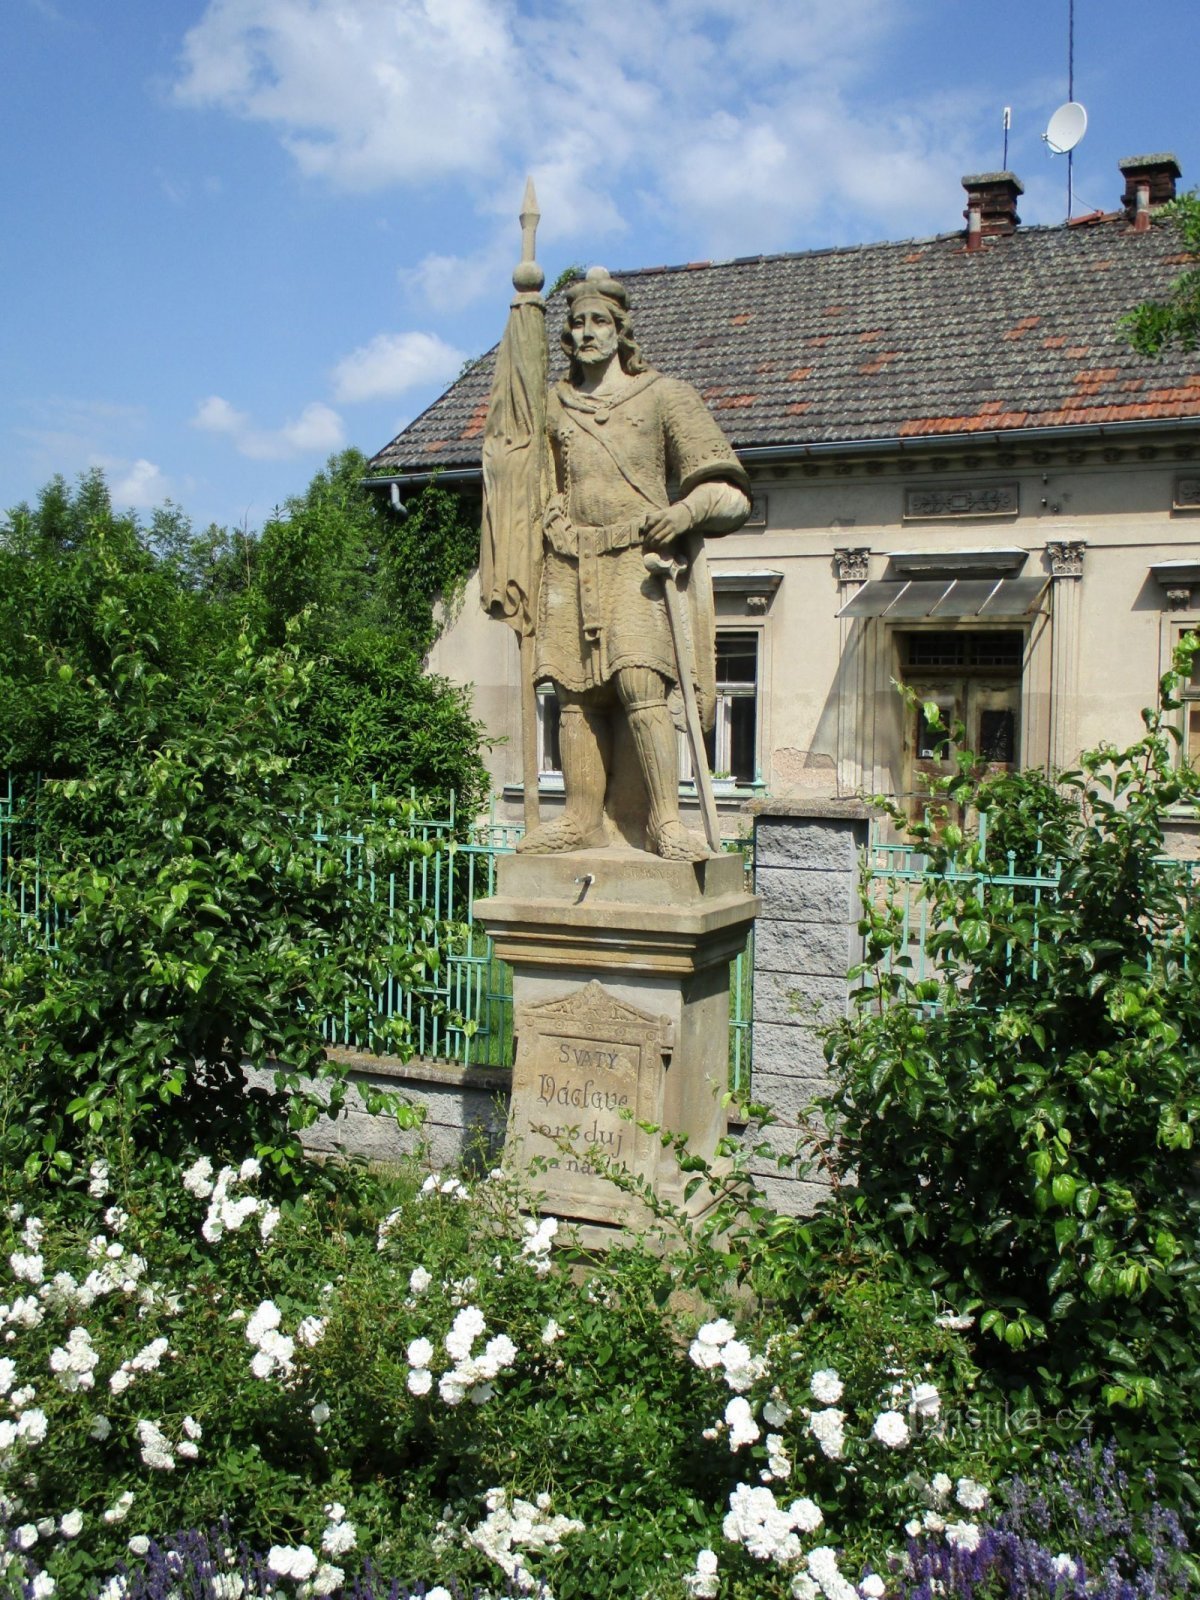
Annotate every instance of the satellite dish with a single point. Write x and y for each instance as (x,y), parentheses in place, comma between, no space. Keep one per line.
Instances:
(1066,127)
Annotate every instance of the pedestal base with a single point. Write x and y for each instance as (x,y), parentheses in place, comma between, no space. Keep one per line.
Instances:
(621,1015)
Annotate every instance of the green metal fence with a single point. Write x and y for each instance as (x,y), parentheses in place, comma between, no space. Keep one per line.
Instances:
(23,891)
(899,873)
(465,1014)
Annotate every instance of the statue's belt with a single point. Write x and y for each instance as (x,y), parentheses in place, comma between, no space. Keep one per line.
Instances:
(586,545)
(567,539)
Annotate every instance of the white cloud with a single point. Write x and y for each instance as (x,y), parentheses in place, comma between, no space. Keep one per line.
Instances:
(738,119)
(362,91)
(142,484)
(318,428)
(446,282)
(216,415)
(392,363)
(175,190)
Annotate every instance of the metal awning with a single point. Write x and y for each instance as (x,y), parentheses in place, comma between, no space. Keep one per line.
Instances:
(946,599)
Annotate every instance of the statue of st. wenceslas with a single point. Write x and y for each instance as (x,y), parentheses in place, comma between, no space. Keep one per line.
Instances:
(600,571)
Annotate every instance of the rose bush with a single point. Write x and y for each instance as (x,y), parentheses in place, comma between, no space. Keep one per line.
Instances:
(418,1371)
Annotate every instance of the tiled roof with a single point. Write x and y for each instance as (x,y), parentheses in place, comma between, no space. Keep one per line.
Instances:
(885,341)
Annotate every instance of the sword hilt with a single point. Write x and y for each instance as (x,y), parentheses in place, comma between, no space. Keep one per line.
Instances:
(662,565)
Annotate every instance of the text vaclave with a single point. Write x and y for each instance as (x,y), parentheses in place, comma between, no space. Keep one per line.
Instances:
(585,1096)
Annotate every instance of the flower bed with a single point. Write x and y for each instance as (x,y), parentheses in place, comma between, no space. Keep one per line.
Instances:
(415,1385)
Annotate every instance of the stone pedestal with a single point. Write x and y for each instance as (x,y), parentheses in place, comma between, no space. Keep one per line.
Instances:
(621,1015)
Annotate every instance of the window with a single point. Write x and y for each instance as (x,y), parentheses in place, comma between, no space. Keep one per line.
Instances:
(934,734)
(733,743)
(1189,693)
(964,650)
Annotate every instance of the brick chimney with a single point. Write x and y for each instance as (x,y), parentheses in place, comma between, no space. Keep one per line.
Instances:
(991,205)
(1149,181)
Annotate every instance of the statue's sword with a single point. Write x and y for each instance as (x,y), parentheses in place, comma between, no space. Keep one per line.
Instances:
(669,571)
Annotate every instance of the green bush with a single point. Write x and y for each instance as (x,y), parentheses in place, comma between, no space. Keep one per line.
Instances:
(191,731)
(350,588)
(196,924)
(1018,1123)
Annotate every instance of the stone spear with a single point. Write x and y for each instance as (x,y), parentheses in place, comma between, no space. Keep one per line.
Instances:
(515,466)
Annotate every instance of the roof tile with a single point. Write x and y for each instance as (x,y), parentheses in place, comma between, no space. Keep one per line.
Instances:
(1022,333)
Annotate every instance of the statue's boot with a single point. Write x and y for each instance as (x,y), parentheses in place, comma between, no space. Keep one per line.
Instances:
(654,735)
(585,776)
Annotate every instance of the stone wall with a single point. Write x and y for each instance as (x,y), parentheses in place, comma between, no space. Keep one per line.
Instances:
(465,1111)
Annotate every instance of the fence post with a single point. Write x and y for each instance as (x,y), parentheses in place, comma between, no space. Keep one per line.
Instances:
(807,856)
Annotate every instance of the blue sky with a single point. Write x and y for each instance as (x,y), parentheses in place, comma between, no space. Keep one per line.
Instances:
(239,234)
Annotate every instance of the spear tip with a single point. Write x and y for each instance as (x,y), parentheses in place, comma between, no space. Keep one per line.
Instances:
(529,203)
(529,277)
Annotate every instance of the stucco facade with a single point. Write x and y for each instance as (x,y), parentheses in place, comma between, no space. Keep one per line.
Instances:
(1093,522)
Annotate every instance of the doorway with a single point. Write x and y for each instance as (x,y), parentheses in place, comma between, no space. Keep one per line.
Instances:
(973,677)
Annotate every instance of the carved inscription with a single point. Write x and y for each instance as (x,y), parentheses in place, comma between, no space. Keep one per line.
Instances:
(990,500)
(581,1091)
(588,1069)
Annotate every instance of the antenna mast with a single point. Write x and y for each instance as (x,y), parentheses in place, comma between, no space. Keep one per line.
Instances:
(1071,97)
(1069,123)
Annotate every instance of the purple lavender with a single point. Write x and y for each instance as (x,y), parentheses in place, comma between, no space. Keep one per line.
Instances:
(1001,1563)
(195,1565)
(1077,1531)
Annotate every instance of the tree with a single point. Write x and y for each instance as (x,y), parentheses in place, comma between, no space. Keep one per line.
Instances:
(336,574)
(64,564)
(1152,328)
(190,704)
(193,922)
(360,586)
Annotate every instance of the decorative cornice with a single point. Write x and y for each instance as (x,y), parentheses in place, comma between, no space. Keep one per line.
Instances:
(995,562)
(1177,580)
(592,1005)
(758,582)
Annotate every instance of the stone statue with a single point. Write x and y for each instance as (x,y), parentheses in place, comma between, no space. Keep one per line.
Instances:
(619,431)
(617,435)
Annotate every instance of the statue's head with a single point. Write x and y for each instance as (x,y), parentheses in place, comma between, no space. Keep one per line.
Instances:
(600,293)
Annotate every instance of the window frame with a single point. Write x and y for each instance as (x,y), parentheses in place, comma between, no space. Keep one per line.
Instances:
(718,743)
(953,685)
(1189,693)
(550,777)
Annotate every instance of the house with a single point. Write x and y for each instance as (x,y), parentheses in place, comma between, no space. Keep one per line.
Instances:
(965,480)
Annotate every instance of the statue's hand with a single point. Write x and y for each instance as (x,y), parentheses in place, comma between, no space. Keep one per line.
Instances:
(661,528)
